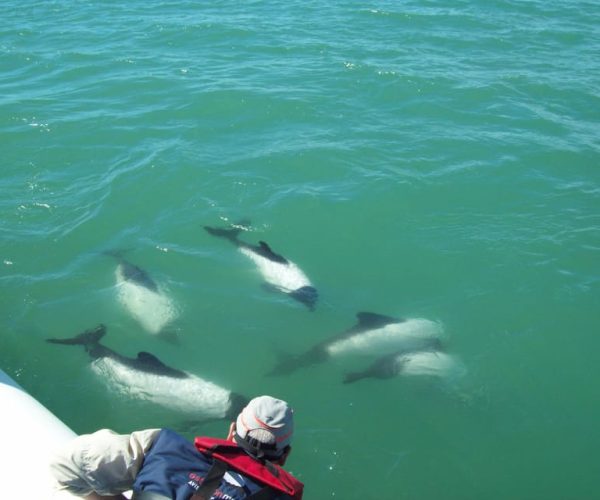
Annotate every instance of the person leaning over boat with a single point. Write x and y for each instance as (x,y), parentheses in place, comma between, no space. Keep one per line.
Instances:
(159,464)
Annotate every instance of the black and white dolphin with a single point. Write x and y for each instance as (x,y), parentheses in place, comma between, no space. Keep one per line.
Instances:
(433,363)
(142,297)
(374,335)
(279,272)
(145,377)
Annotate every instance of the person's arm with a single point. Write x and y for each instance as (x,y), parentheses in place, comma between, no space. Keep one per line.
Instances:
(101,465)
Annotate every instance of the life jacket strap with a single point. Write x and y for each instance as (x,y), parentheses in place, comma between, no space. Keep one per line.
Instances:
(213,480)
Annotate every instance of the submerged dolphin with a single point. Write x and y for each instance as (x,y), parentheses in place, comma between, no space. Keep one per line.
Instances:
(374,334)
(279,273)
(145,377)
(432,363)
(142,297)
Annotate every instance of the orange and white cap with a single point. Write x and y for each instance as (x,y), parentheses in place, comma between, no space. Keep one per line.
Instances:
(267,420)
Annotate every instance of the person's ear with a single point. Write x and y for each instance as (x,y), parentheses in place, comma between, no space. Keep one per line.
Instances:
(231,431)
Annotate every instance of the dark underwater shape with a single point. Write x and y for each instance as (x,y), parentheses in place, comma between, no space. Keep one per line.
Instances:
(307,295)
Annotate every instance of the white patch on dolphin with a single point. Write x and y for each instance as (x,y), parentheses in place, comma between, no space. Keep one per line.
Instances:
(429,363)
(190,394)
(387,338)
(286,277)
(148,305)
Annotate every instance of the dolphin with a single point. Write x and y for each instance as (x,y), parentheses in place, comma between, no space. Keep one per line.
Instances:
(142,297)
(145,377)
(432,363)
(279,273)
(374,334)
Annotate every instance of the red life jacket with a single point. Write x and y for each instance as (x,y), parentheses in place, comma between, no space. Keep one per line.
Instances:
(235,457)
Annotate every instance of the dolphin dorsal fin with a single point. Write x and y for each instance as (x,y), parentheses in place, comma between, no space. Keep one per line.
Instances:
(150,360)
(265,246)
(150,363)
(137,275)
(372,320)
(266,251)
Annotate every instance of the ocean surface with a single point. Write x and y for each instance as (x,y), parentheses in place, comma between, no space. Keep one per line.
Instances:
(415,159)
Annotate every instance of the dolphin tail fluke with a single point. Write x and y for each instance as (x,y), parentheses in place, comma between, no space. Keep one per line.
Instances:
(89,337)
(289,363)
(286,364)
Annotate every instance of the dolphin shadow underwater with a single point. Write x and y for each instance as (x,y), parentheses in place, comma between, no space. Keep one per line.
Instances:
(147,378)
(374,334)
(279,273)
(143,298)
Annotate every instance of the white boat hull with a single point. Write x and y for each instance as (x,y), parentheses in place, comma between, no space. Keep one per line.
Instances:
(30,434)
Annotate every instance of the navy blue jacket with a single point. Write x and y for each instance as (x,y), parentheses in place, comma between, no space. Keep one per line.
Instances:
(174,468)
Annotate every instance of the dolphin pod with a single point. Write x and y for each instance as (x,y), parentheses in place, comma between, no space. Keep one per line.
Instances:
(145,377)
(278,272)
(409,346)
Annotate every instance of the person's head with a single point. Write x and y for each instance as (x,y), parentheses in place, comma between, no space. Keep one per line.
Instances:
(264,429)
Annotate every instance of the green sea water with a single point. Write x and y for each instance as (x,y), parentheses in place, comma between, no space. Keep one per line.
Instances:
(418,159)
